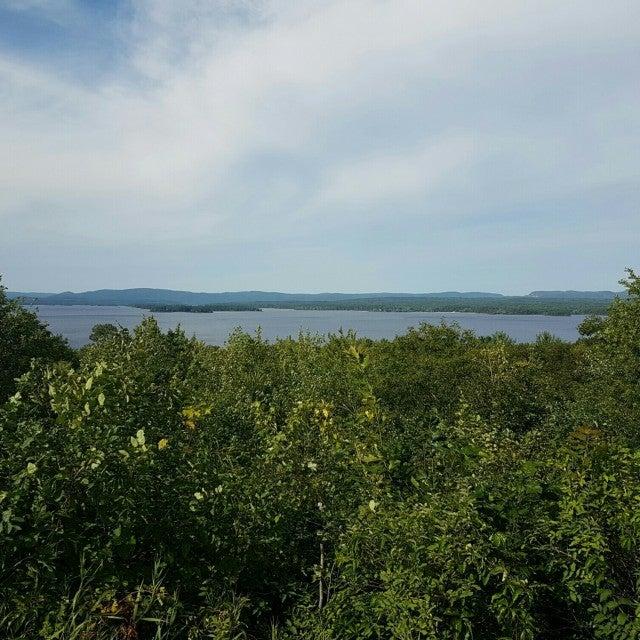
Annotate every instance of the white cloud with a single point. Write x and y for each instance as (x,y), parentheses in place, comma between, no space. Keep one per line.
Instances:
(393,177)
(207,87)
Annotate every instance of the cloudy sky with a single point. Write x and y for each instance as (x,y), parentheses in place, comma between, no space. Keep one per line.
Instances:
(313,145)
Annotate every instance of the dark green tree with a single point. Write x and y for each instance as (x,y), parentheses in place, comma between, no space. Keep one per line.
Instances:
(24,338)
(611,398)
(104,332)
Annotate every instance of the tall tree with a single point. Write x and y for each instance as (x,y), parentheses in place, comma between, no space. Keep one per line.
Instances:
(22,338)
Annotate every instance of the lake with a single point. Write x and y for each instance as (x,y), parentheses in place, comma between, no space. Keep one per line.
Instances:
(75,322)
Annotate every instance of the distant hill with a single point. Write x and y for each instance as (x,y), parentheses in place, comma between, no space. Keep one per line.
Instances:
(577,295)
(537,302)
(26,295)
(143,296)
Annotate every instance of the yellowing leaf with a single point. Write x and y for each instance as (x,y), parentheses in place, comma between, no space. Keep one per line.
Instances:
(31,468)
(192,414)
(101,399)
(162,444)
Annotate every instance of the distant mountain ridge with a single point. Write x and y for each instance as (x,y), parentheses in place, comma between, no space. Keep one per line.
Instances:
(583,295)
(148,296)
(26,294)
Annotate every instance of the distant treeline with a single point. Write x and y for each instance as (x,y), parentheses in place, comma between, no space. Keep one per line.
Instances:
(142,297)
(505,305)
(561,303)
(199,308)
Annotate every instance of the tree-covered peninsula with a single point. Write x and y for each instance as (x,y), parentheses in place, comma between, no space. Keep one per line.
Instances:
(199,308)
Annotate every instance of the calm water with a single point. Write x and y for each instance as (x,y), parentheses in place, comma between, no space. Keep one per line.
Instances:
(75,322)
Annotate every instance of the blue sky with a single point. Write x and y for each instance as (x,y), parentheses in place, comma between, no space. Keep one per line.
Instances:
(308,145)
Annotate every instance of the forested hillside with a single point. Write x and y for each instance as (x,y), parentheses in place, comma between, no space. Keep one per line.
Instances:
(511,305)
(435,486)
(159,300)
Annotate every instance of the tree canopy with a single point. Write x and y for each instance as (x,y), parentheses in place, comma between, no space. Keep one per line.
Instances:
(434,486)
(22,338)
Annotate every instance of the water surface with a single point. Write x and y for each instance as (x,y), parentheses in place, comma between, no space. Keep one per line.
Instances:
(75,322)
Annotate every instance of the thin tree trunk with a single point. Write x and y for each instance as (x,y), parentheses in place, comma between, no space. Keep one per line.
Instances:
(321,581)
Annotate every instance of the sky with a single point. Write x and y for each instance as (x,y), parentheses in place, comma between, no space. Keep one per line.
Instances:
(319,145)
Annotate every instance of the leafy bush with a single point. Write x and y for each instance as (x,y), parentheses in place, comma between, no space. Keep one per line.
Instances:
(22,338)
(437,485)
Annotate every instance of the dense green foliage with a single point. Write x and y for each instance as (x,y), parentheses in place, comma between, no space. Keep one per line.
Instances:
(22,338)
(435,486)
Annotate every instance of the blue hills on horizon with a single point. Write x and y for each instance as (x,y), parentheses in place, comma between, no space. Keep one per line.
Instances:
(149,296)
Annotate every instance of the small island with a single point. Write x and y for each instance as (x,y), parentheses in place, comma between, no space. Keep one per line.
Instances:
(197,308)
